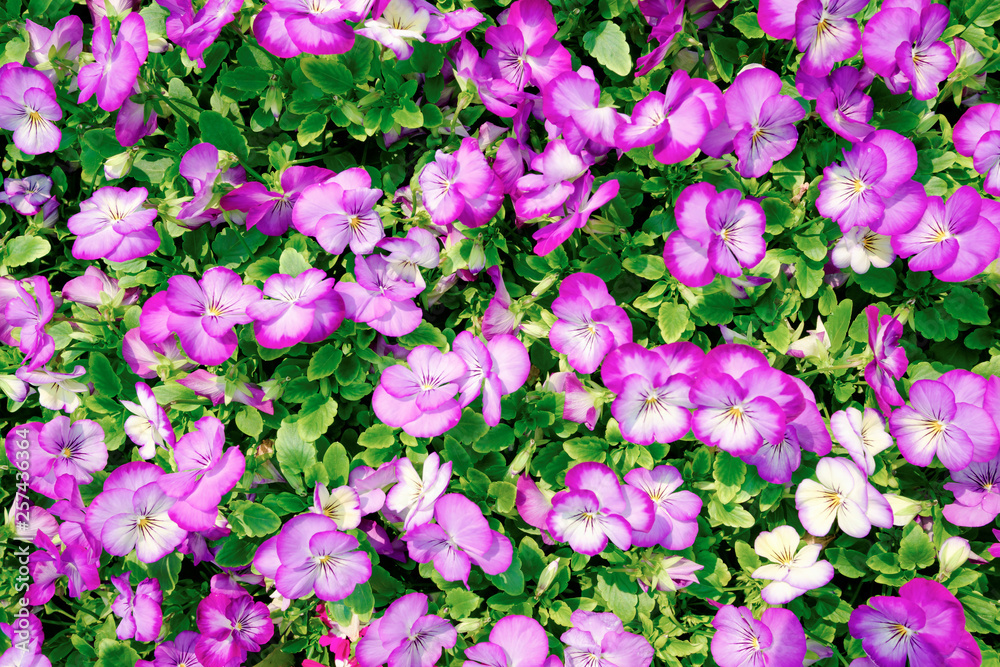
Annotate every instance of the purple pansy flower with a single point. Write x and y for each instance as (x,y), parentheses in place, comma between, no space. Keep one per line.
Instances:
(271,212)
(889,364)
(937,423)
(977,494)
(925,625)
(823,29)
(740,640)
(231,627)
(196,31)
(902,43)
(579,404)
(460,537)
(56,391)
(759,125)
(406,636)
(205,474)
(872,187)
(675,526)
(719,232)
(977,135)
(792,571)
(495,369)
(112,224)
(78,562)
(179,652)
(524,49)
(202,313)
(413,496)
(840,495)
(72,448)
(54,51)
(302,308)
(572,101)
(863,435)
(340,211)
(590,322)
(379,298)
(117,64)
(95,289)
(421,398)
(27,195)
(840,100)
(224,389)
(311,554)
(139,610)
(578,208)
(287,28)
(28,107)
(418,248)
(600,640)
(148,360)
(29,308)
(956,239)
(26,636)
(148,425)
(460,186)
(515,641)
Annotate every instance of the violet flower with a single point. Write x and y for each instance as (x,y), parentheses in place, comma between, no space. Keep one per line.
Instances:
(419,248)
(117,64)
(203,169)
(75,449)
(140,610)
(53,52)
(579,404)
(113,225)
(460,537)
(572,101)
(220,389)
(792,571)
(460,186)
(524,49)
(271,212)
(231,627)
(578,208)
(95,289)
(180,651)
(287,28)
(890,360)
(56,391)
(840,100)
(537,195)
(956,239)
(202,313)
(196,31)
(823,29)
(872,187)
(26,637)
(860,248)
(204,475)
(400,22)
(925,625)
(133,122)
(148,425)
(863,435)
(515,641)
(413,496)
(340,211)
(977,494)
(675,525)
(674,122)
(840,495)
(496,369)
(740,640)
(718,232)
(78,562)
(406,636)
(760,123)
(600,640)
(28,107)
(28,311)
(590,324)
(147,360)
(311,555)
(379,298)
(977,135)
(421,398)
(27,195)
(342,504)
(302,308)
(902,43)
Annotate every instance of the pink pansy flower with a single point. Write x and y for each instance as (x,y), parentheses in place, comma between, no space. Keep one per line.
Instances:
(271,212)
(977,135)
(312,555)
(580,405)
(205,474)
(202,313)
(27,195)
(27,309)
(113,225)
(524,50)
(75,448)
(221,389)
(148,426)
(231,627)
(95,289)
(117,64)
(135,120)
(740,640)
(600,640)
(421,398)
(196,31)
(889,364)
(823,29)
(340,211)
(539,194)
(178,652)
(133,515)
(572,101)
(460,186)
(977,494)
(406,636)
(863,435)
(380,298)
(26,637)
(78,562)
(64,42)
(28,107)
(675,526)
(287,28)
(792,571)
(460,537)
(150,360)
(139,610)
(590,324)
(413,496)
(203,168)
(955,239)
(495,369)
(577,209)
(302,308)
(515,641)
(840,100)
(56,391)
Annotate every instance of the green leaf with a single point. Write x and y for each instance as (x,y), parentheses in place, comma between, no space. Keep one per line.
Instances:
(729,470)
(729,514)
(748,25)
(620,592)
(967,306)
(471,427)
(497,439)
(715,308)
(249,421)
(880,282)
(316,416)
(935,323)
(838,323)
(747,557)
(586,449)
(650,267)
(377,436)
(294,453)
(462,602)
(425,334)
(257,519)
(408,115)
(311,128)
(25,249)
(324,362)
(329,76)
(111,653)
(673,320)
(915,549)
(848,562)
(505,494)
(608,45)
(106,381)
(235,551)
(809,279)
(222,133)
(338,465)
(249,79)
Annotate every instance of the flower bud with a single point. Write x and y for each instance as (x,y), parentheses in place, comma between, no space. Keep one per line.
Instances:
(903,509)
(547,282)
(469,625)
(953,554)
(546,578)
(520,461)
(118,166)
